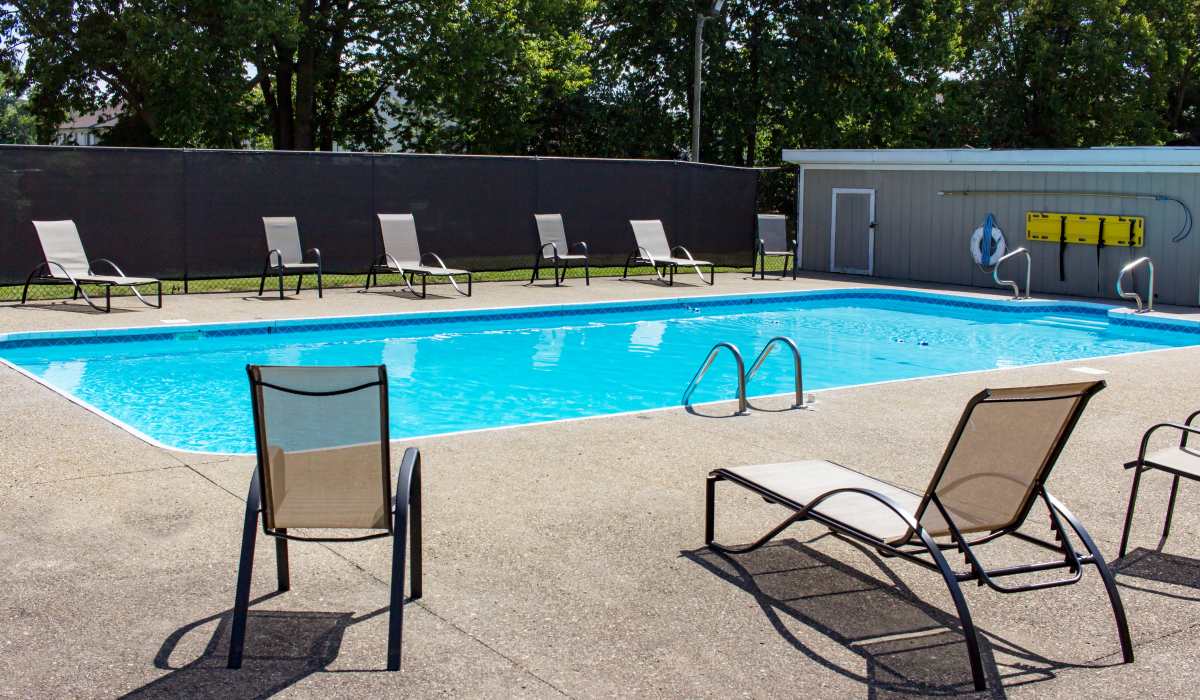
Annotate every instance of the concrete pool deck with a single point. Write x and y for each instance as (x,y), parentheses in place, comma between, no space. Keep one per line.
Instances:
(566,559)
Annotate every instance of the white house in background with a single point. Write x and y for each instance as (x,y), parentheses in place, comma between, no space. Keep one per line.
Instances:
(86,129)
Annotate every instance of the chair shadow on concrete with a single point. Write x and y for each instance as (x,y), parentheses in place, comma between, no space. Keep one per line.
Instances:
(282,648)
(909,648)
(1156,565)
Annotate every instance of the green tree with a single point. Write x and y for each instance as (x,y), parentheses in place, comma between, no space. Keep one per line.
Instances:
(492,75)
(16,123)
(1058,73)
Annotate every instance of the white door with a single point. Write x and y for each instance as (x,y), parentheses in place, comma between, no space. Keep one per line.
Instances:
(852,231)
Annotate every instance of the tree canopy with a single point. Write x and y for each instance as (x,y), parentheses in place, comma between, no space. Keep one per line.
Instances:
(608,77)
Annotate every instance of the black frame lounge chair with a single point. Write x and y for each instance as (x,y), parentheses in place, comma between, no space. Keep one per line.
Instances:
(324,462)
(773,242)
(284,256)
(66,263)
(1181,462)
(554,247)
(991,474)
(402,254)
(654,250)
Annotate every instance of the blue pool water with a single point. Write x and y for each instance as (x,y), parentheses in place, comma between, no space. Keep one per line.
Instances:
(186,386)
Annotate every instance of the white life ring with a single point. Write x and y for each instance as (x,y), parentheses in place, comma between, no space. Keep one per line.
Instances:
(998,246)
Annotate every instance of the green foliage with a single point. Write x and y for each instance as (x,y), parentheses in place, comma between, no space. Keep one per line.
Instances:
(16,123)
(612,78)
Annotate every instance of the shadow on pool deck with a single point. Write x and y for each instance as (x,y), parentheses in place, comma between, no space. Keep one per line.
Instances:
(282,648)
(1156,565)
(909,647)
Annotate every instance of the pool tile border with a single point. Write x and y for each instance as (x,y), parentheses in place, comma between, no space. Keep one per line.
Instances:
(1113,315)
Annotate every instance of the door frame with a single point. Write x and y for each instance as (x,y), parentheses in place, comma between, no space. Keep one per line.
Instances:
(870,268)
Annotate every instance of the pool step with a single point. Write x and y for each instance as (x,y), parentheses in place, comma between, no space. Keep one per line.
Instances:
(1079,324)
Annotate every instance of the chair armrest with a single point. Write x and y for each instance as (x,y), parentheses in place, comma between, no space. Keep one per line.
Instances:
(551,245)
(410,466)
(645,255)
(277,253)
(686,252)
(908,518)
(435,257)
(1183,428)
(316,253)
(581,244)
(108,262)
(47,264)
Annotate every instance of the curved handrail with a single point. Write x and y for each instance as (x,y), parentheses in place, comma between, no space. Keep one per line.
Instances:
(743,403)
(1028,271)
(1134,295)
(796,363)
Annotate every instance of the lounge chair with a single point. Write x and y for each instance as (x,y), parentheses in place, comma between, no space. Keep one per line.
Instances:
(402,254)
(653,249)
(324,462)
(773,242)
(555,248)
(284,256)
(1182,462)
(989,477)
(66,263)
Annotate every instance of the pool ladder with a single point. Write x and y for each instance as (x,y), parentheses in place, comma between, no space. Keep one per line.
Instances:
(744,377)
(1015,287)
(1134,295)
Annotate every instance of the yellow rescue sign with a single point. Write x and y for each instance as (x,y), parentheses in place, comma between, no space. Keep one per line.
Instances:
(1085,229)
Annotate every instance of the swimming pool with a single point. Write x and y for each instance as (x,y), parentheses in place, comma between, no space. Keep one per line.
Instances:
(185,387)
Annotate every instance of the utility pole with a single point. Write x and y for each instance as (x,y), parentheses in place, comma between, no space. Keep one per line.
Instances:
(714,9)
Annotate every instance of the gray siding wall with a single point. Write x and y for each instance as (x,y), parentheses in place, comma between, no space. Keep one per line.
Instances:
(923,237)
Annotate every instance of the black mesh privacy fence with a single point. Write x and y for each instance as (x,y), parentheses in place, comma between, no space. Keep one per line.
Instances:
(195,217)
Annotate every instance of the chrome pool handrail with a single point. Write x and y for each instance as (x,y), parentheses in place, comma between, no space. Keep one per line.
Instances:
(1134,295)
(743,403)
(796,365)
(1015,287)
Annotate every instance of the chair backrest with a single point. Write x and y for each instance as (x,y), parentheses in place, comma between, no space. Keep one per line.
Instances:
(323,452)
(772,231)
(651,236)
(61,245)
(283,234)
(400,237)
(1002,451)
(550,230)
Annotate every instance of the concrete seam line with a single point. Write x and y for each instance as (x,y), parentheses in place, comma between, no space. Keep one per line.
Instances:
(101,476)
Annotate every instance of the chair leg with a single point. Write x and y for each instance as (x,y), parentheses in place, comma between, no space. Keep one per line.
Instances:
(281,283)
(710,497)
(320,282)
(537,267)
(470,283)
(1170,511)
(587,273)
(241,601)
(282,574)
(299,282)
(960,606)
(1110,584)
(558,279)
(407,514)
(262,280)
(1133,492)
(625,273)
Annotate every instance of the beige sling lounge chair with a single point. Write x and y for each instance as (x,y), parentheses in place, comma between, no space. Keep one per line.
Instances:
(284,256)
(773,242)
(66,263)
(991,474)
(324,462)
(653,249)
(402,254)
(553,237)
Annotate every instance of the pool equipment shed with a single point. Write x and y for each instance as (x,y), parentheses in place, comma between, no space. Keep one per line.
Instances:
(909,214)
